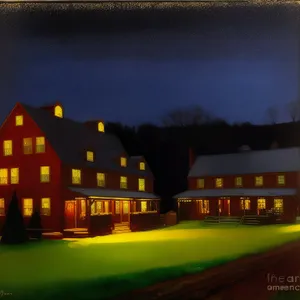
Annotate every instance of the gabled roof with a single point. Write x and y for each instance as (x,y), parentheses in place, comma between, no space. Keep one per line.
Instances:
(71,139)
(247,162)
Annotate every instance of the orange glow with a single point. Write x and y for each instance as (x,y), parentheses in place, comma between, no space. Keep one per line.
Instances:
(141,184)
(219,182)
(281,179)
(123,182)
(101,127)
(200,183)
(76,176)
(40,144)
(14,175)
(3,176)
(27,145)
(58,111)
(7,148)
(90,156)
(27,207)
(259,180)
(19,120)
(101,179)
(45,174)
(123,162)
(238,181)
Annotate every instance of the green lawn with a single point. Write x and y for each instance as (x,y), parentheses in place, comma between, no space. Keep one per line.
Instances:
(100,267)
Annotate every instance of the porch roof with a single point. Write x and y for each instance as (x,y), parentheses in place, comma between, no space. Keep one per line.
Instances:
(98,192)
(235,192)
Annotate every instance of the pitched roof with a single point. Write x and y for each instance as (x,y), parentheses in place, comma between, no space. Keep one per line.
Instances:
(235,192)
(71,139)
(98,192)
(247,162)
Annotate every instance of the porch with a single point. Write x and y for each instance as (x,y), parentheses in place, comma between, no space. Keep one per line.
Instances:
(238,203)
(91,214)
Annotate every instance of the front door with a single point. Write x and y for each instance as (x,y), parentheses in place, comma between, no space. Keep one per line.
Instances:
(70,214)
(224,207)
(125,211)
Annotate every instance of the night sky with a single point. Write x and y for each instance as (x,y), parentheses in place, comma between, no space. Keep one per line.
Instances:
(134,66)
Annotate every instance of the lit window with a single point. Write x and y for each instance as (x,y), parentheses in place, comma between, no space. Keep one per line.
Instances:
(58,111)
(281,179)
(2,207)
(90,156)
(3,176)
(27,207)
(7,148)
(143,206)
(259,181)
(19,120)
(101,179)
(238,181)
(141,184)
(76,176)
(142,166)
(123,182)
(200,183)
(45,206)
(27,145)
(203,206)
(100,207)
(82,208)
(100,126)
(40,144)
(123,162)
(14,175)
(45,174)
(219,182)
(261,204)
(278,205)
(117,207)
(245,203)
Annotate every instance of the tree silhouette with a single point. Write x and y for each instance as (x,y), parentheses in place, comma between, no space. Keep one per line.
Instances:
(294,110)
(35,224)
(14,230)
(272,114)
(193,115)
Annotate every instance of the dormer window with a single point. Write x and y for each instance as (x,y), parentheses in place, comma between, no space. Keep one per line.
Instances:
(58,111)
(123,162)
(90,156)
(101,127)
(142,166)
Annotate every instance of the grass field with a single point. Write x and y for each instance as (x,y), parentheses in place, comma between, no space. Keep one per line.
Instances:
(101,267)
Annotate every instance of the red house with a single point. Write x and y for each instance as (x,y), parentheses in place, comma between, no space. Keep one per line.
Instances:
(78,176)
(244,183)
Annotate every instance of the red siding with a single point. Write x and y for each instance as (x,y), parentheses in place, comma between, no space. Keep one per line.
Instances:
(29,168)
(89,179)
(292,180)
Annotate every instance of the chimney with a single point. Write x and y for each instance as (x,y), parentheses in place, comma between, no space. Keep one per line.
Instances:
(56,109)
(97,125)
(191,157)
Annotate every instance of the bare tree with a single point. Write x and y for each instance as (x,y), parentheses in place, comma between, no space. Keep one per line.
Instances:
(294,110)
(272,114)
(186,116)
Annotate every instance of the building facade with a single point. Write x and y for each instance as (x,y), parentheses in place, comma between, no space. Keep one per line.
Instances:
(75,174)
(244,183)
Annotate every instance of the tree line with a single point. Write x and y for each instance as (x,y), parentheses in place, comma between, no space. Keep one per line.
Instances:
(166,146)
